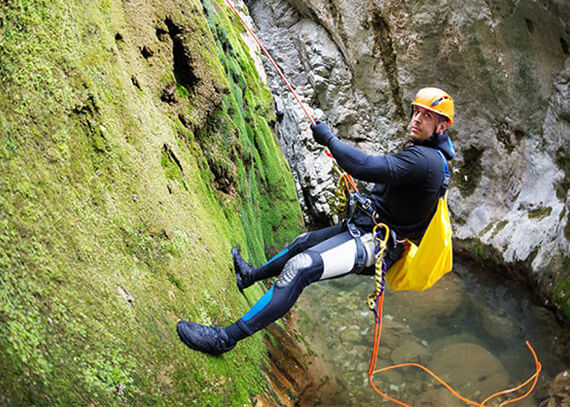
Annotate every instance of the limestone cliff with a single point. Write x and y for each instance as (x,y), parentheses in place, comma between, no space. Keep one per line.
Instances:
(507,65)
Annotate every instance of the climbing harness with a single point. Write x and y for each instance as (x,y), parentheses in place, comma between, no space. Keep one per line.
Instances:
(350,196)
(358,200)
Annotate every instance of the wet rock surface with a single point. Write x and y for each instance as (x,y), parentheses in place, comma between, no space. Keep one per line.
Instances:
(471,367)
(287,370)
(558,391)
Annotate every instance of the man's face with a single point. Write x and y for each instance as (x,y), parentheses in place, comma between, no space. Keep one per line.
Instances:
(424,123)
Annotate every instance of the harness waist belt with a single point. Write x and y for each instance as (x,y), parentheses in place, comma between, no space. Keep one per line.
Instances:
(357,199)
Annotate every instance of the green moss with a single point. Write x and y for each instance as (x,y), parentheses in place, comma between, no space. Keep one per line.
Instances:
(470,171)
(500,226)
(562,290)
(540,213)
(112,222)
(257,165)
(172,169)
(487,228)
(496,226)
(477,249)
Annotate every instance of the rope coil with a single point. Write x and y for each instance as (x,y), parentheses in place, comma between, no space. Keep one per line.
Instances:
(344,187)
(380,267)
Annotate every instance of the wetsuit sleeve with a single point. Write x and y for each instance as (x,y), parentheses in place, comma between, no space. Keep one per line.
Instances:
(370,168)
(406,167)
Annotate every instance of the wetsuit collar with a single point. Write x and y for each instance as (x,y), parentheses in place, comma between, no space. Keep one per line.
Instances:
(440,141)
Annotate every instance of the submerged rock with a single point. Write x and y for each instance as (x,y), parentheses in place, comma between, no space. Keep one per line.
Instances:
(496,324)
(438,398)
(394,333)
(351,334)
(441,301)
(469,368)
(410,351)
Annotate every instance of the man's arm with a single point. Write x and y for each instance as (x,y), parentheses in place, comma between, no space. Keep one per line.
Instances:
(406,167)
(354,161)
(370,168)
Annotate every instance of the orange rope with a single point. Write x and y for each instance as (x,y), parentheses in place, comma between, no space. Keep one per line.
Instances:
(351,182)
(347,179)
(372,371)
(533,378)
(250,31)
(270,60)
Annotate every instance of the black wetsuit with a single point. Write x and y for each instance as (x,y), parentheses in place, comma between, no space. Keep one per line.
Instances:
(408,186)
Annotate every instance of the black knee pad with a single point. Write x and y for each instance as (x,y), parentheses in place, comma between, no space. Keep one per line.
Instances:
(303,269)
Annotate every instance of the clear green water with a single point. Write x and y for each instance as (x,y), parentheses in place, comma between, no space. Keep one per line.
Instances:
(470,328)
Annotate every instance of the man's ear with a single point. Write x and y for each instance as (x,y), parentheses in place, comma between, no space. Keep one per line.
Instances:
(441,127)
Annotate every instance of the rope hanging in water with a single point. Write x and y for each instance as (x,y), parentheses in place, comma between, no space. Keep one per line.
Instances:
(376,302)
(372,370)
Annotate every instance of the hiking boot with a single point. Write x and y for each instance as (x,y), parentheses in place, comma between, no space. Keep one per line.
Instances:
(208,339)
(244,272)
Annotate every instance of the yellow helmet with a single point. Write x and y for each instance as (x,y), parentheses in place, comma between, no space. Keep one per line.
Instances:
(437,101)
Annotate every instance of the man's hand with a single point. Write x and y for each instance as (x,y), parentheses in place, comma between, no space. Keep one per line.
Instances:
(322,133)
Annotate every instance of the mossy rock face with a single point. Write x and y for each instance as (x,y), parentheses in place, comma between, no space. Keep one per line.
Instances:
(562,290)
(555,283)
(470,170)
(113,223)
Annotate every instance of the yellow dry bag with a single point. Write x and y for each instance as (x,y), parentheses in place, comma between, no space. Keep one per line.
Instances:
(420,267)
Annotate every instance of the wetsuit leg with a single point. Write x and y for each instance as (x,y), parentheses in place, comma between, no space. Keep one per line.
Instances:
(274,266)
(332,258)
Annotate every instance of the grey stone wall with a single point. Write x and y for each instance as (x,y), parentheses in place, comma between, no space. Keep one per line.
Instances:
(357,65)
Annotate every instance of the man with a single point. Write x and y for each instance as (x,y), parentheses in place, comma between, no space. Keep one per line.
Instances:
(408,186)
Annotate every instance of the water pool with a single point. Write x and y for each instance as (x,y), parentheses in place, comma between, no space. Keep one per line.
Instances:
(470,329)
